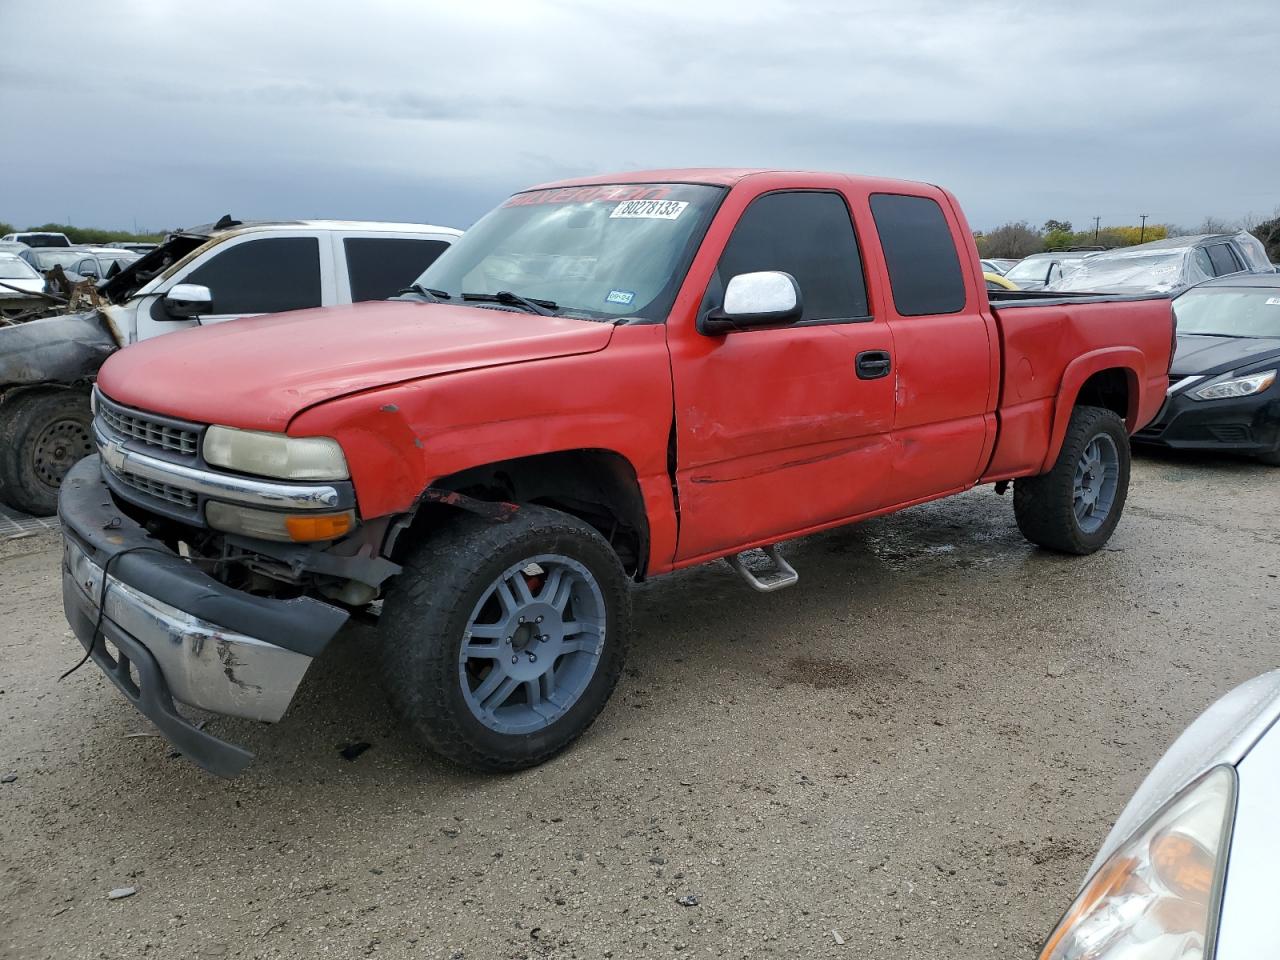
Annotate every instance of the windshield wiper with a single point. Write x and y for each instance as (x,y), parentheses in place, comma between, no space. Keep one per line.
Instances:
(545,308)
(427,293)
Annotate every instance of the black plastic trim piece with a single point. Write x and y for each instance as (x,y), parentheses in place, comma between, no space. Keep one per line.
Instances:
(90,515)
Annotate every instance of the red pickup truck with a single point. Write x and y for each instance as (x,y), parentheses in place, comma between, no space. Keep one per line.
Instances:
(602,381)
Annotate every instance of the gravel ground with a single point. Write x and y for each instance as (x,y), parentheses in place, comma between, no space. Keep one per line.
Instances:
(918,747)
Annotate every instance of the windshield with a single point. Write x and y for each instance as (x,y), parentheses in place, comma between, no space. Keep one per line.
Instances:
(596,252)
(11,268)
(1227,312)
(1126,273)
(47,257)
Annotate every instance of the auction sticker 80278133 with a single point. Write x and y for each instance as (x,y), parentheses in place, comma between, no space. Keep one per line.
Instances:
(649,209)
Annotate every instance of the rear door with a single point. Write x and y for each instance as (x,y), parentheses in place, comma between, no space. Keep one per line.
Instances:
(946,360)
(379,265)
(776,432)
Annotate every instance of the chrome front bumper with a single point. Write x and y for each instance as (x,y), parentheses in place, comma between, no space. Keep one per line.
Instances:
(204,665)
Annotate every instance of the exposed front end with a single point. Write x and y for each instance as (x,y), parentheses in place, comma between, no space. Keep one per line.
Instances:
(191,583)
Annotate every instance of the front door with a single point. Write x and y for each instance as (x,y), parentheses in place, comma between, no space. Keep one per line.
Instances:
(249,275)
(777,430)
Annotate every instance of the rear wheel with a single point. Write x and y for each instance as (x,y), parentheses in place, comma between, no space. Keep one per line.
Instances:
(503,641)
(1074,508)
(42,435)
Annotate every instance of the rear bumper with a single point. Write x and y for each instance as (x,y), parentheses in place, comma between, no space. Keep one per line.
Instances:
(174,633)
(1245,425)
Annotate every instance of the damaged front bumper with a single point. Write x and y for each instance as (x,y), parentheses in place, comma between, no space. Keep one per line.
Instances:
(173,633)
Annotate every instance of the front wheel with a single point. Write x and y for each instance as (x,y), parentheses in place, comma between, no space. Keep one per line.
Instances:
(503,641)
(1074,508)
(42,436)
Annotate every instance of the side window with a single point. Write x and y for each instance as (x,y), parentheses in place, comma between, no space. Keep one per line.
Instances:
(924,270)
(379,267)
(810,236)
(87,266)
(1223,260)
(263,276)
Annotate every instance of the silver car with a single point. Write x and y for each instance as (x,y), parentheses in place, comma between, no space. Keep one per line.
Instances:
(1188,871)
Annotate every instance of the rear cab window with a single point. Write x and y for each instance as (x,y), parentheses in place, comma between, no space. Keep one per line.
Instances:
(380,267)
(920,253)
(808,234)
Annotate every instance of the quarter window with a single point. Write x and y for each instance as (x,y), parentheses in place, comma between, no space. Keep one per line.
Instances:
(262,276)
(380,267)
(810,236)
(924,270)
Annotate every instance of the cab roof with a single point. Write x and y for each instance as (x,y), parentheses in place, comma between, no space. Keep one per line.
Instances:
(717,177)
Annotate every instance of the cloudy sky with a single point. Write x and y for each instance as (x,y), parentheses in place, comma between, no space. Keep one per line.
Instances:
(166,113)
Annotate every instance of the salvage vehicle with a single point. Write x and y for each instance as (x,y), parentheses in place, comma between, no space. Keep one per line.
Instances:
(1162,266)
(20,284)
(101,263)
(995,281)
(203,275)
(602,381)
(1222,391)
(1038,270)
(37,238)
(1188,871)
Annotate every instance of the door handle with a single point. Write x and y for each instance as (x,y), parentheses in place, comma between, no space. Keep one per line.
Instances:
(873,364)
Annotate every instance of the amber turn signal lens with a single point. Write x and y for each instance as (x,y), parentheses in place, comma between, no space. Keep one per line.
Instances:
(1185,866)
(325,526)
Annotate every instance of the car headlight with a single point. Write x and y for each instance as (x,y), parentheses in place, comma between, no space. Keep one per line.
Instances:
(1239,387)
(1157,896)
(275,454)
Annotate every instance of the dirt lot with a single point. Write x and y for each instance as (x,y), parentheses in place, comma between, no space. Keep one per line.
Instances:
(920,747)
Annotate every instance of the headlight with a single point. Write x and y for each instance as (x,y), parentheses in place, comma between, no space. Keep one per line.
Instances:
(1157,896)
(275,455)
(272,525)
(1239,387)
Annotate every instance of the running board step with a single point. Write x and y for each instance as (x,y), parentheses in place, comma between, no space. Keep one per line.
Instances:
(766,581)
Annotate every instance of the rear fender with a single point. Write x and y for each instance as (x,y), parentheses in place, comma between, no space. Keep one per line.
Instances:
(1128,359)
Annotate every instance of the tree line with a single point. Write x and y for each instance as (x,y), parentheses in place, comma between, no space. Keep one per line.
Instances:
(1019,239)
(90,235)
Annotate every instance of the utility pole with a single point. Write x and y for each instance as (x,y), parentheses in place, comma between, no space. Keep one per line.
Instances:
(1096,226)
(1142,232)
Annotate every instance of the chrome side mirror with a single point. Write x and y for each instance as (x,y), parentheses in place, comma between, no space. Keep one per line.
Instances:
(763,298)
(186,301)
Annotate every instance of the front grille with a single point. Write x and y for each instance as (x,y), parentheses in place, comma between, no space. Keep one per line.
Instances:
(153,431)
(162,491)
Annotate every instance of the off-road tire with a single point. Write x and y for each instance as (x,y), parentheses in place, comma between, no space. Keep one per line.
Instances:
(426,612)
(25,419)
(1043,505)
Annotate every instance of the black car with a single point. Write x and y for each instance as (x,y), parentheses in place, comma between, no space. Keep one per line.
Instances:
(1222,385)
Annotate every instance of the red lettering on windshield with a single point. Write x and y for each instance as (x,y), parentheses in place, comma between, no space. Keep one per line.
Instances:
(613,193)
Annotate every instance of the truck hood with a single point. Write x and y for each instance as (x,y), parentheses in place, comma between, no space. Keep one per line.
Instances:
(258,373)
(1214,355)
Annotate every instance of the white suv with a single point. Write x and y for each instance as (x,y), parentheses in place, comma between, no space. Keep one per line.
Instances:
(198,276)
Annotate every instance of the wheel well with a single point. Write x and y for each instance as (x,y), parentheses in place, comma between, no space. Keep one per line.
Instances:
(598,487)
(1110,389)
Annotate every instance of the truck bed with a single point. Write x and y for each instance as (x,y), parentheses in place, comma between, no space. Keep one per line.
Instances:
(1121,348)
